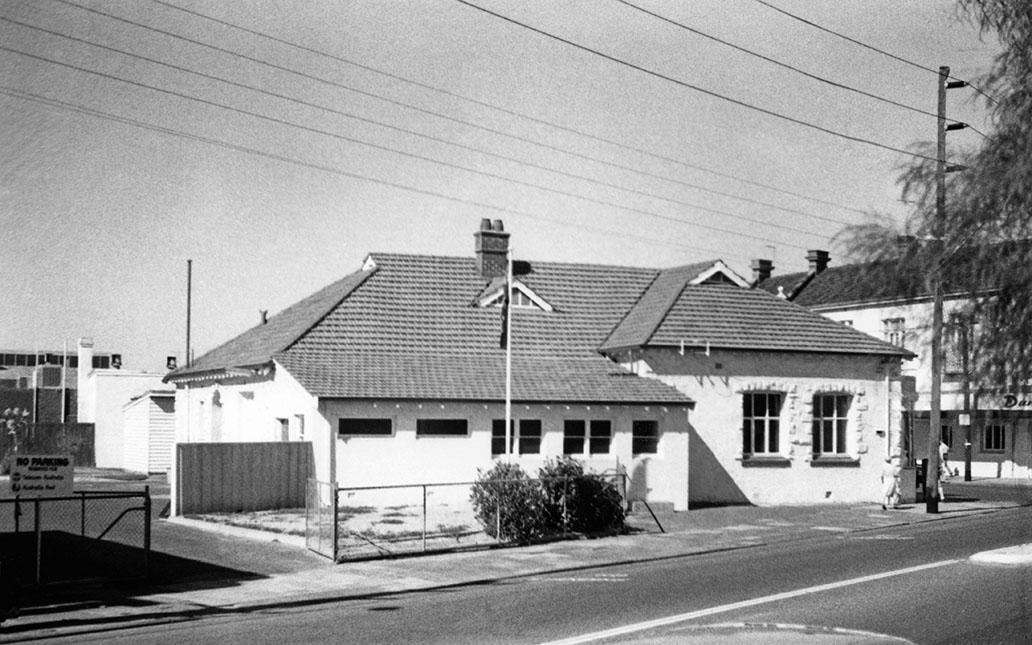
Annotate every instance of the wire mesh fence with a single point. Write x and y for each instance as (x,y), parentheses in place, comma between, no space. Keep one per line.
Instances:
(84,536)
(380,521)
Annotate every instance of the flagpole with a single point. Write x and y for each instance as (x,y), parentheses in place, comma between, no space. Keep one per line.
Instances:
(508,353)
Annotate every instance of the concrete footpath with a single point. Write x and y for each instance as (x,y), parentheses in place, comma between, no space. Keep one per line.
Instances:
(308,579)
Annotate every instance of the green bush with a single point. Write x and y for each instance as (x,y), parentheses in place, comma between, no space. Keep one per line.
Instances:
(505,498)
(592,504)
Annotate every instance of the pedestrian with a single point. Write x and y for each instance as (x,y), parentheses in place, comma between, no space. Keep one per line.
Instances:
(890,483)
(944,468)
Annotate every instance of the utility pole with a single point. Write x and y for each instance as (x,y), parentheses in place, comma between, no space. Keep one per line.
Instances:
(935,415)
(189,290)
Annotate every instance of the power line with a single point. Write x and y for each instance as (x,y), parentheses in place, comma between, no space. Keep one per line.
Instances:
(21,94)
(415,133)
(501,109)
(376,146)
(871,47)
(695,88)
(773,61)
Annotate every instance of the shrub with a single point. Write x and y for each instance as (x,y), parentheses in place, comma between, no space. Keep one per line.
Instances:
(505,498)
(592,504)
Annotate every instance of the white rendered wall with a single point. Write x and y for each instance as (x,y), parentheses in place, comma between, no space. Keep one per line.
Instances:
(108,391)
(720,474)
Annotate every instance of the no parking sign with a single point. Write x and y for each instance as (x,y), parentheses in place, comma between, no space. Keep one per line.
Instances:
(42,475)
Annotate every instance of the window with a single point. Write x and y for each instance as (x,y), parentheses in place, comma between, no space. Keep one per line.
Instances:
(573,437)
(829,423)
(284,429)
(601,435)
(761,412)
(994,438)
(530,436)
(895,331)
(442,427)
(364,427)
(595,436)
(644,437)
(946,435)
(527,437)
(498,436)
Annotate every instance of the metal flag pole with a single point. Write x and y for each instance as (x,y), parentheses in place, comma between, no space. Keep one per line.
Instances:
(508,352)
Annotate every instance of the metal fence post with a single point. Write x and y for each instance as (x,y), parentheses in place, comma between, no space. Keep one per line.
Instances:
(336,519)
(39,540)
(82,513)
(424,518)
(17,513)
(498,517)
(146,530)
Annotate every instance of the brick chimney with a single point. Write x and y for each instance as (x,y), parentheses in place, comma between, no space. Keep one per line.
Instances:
(761,270)
(818,260)
(492,246)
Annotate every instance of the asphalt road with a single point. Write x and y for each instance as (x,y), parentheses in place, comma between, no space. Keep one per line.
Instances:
(925,590)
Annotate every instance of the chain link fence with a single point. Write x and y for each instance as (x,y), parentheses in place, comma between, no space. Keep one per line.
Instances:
(382,521)
(84,536)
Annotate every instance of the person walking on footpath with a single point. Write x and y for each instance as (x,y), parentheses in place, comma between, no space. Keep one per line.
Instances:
(890,483)
(944,468)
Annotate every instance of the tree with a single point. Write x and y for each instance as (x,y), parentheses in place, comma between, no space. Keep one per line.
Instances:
(982,245)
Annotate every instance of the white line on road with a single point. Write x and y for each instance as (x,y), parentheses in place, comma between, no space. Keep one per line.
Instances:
(703,613)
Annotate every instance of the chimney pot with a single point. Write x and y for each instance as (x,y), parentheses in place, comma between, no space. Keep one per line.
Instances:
(485,224)
(818,260)
(761,270)
(497,226)
(263,316)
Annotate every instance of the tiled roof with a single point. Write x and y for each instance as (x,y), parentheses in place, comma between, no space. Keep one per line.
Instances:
(641,321)
(734,318)
(257,345)
(409,328)
(673,311)
(475,377)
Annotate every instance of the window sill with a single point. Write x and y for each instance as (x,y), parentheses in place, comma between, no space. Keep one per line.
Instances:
(825,461)
(764,461)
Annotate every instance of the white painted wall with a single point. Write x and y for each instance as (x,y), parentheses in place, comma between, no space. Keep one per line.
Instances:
(719,474)
(405,458)
(106,393)
(149,433)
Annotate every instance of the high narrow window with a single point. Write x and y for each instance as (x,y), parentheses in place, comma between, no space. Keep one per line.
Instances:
(498,436)
(761,423)
(830,412)
(359,426)
(442,427)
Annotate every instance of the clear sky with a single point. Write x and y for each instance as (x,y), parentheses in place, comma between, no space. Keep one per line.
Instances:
(137,135)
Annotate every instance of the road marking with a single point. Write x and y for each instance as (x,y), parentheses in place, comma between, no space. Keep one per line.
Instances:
(703,613)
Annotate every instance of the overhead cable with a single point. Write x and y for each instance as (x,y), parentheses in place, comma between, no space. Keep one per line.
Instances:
(503,110)
(693,87)
(388,149)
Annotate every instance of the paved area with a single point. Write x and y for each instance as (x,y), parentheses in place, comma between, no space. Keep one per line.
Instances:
(250,570)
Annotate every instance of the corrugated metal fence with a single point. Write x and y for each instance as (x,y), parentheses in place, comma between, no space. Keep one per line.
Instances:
(234,477)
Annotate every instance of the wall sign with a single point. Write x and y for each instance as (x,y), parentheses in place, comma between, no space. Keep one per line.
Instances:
(42,475)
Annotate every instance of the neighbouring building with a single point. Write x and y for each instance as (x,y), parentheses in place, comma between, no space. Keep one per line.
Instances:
(149,431)
(900,312)
(396,374)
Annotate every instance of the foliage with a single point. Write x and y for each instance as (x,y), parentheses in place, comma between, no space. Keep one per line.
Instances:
(505,498)
(982,243)
(592,504)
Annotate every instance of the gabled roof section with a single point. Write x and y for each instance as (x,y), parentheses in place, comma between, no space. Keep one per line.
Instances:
(641,321)
(494,291)
(720,273)
(727,317)
(258,345)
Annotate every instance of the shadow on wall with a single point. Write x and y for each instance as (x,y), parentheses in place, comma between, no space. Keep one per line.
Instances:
(709,483)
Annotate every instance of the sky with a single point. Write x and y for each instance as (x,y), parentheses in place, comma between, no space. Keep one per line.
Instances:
(276,143)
